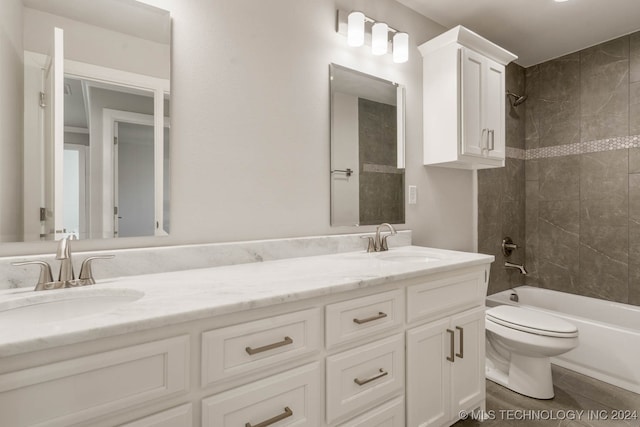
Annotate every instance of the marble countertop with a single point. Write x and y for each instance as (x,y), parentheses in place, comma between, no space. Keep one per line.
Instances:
(169,298)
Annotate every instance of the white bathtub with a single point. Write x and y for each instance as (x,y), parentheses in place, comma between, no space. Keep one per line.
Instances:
(609,333)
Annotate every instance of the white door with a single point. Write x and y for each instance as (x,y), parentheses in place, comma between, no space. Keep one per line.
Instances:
(467,378)
(494,107)
(134,179)
(53,140)
(428,374)
(345,182)
(474,131)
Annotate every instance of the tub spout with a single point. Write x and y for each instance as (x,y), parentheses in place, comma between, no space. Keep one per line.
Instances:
(520,267)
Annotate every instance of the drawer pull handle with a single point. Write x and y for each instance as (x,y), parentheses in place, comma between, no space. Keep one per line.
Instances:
(286,414)
(284,342)
(380,315)
(461,354)
(375,377)
(452,348)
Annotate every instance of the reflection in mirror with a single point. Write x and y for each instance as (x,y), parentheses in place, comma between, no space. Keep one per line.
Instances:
(96,97)
(367,149)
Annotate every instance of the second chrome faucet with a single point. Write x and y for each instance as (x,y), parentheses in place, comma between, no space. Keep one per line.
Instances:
(379,242)
(66,276)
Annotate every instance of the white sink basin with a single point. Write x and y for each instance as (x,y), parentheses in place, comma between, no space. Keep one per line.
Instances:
(53,306)
(409,256)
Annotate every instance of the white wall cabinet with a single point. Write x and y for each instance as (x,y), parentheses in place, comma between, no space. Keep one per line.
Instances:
(270,366)
(464,100)
(445,369)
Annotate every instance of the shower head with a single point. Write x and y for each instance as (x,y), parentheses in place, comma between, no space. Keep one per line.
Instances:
(517,99)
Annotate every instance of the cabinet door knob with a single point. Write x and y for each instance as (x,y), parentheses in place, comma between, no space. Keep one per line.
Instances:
(286,414)
(368,380)
(284,342)
(484,142)
(380,315)
(452,345)
(492,132)
(461,354)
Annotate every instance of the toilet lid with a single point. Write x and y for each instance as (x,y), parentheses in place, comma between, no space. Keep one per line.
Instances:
(531,321)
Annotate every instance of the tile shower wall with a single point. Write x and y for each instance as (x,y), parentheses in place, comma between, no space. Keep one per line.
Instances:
(582,173)
(501,194)
(381,183)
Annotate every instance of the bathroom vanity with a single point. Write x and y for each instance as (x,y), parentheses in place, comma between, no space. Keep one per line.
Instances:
(350,339)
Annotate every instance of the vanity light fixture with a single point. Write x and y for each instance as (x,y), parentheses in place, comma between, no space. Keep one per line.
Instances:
(400,47)
(361,30)
(379,38)
(355,29)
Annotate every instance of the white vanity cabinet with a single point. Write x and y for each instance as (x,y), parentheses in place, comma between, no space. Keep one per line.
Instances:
(367,356)
(464,100)
(445,357)
(445,369)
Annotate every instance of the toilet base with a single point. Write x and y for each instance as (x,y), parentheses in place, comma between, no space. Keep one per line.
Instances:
(529,376)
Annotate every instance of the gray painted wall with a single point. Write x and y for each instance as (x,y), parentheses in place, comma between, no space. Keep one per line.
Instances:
(250,125)
(11,113)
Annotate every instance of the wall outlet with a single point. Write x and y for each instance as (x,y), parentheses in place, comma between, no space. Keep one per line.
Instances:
(413,194)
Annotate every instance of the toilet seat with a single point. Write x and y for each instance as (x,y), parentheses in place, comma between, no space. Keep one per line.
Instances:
(531,321)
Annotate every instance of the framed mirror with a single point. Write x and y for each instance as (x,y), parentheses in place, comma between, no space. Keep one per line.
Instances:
(96,120)
(367,149)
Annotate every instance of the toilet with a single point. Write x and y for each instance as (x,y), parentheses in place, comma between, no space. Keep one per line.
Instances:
(519,345)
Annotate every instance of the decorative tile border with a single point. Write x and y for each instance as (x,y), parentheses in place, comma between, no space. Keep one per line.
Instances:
(370,167)
(597,146)
(515,153)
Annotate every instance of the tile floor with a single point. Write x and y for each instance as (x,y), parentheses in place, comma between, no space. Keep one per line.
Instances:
(574,393)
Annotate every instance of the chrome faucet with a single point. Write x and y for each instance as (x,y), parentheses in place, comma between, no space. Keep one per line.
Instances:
(63,254)
(66,276)
(520,267)
(379,243)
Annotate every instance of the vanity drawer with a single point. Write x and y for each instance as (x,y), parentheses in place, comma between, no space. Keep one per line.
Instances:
(287,399)
(76,390)
(247,347)
(359,378)
(181,416)
(390,414)
(441,297)
(364,316)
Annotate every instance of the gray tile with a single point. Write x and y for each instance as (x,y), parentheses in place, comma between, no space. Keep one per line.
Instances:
(563,214)
(531,234)
(531,170)
(609,395)
(515,116)
(634,239)
(604,90)
(514,179)
(611,210)
(634,108)
(634,60)
(573,393)
(558,246)
(558,109)
(531,122)
(559,178)
(634,160)
(602,276)
(604,174)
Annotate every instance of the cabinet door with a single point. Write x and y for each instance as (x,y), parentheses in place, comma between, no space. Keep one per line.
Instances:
(467,376)
(494,108)
(428,374)
(474,131)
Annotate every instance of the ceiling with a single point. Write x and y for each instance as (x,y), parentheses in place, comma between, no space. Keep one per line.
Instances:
(536,30)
